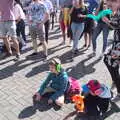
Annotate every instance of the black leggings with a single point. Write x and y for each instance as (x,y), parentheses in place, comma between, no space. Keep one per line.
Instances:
(47,25)
(95,105)
(21,29)
(114,72)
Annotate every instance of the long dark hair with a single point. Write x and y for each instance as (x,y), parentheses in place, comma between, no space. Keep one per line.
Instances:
(101,5)
(19,2)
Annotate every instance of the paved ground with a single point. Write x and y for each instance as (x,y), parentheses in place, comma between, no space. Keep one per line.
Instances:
(20,80)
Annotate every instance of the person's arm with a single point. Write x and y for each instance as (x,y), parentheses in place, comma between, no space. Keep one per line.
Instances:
(71,10)
(63,84)
(84,15)
(51,7)
(44,84)
(46,15)
(112,23)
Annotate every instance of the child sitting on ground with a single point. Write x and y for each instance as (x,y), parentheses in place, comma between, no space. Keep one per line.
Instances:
(57,82)
(97,98)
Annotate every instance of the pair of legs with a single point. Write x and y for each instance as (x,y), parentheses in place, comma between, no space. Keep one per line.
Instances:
(95,105)
(21,31)
(77,30)
(53,15)
(100,27)
(88,39)
(114,72)
(63,29)
(35,32)
(8,28)
(88,31)
(59,101)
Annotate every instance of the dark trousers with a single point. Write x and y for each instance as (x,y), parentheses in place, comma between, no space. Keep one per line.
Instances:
(21,29)
(53,17)
(47,26)
(114,72)
(95,105)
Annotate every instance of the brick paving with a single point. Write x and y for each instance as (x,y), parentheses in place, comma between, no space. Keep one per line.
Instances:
(19,80)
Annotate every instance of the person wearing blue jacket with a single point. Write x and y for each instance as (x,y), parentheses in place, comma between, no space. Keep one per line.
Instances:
(56,82)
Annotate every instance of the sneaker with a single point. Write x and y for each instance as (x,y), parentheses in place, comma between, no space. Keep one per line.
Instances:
(116,98)
(45,57)
(75,51)
(33,54)
(17,57)
(40,44)
(84,46)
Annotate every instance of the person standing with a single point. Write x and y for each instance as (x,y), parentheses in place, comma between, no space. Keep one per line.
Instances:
(112,58)
(20,17)
(49,7)
(101,26)
(8,26)
(78,13)
(38,15)
(89,24)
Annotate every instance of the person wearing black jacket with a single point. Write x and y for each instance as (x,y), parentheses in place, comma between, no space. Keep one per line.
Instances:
(112,58)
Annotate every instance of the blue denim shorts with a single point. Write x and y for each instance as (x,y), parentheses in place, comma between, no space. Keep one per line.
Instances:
(8,28)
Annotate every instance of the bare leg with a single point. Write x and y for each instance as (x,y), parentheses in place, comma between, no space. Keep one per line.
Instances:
(45,48)
(7,44)
(16,44)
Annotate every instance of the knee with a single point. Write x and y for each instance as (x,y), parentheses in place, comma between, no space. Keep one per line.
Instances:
(59,102)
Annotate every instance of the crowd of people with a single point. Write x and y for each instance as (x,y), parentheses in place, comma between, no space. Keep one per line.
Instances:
(73,20)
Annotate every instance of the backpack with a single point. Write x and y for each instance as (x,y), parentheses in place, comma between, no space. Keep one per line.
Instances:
(74,87)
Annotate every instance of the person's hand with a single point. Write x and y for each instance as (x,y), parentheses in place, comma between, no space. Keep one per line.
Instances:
(50,101)
(106,20)
(114,57)
(38,96)
(81,16)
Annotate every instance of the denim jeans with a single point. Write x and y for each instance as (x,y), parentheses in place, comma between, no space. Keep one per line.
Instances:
(77,30)
(100,27)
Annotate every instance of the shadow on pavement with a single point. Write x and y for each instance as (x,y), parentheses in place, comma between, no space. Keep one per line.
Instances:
(10,70)
(114,109)
(80,70)
(40,106)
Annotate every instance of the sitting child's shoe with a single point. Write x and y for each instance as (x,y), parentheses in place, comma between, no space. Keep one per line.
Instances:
(116,98)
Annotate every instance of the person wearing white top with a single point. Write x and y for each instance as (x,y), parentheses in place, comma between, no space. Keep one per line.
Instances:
(20,23)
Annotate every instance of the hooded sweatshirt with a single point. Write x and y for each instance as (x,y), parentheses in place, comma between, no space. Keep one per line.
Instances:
(106,93)
(58,82)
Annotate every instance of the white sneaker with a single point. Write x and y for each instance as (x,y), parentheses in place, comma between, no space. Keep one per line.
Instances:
(116,98)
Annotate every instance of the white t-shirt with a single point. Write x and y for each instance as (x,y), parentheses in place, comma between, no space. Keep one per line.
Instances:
(18,12)
(49,6)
